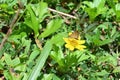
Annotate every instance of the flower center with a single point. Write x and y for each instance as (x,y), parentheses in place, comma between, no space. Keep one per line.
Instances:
(73,42)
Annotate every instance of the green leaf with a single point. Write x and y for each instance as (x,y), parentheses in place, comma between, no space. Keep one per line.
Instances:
(1,65)
(81,77)
(58,39)
(111,3)
(92,12)
(106,41)
(102,73)
(107,58)
(95,8)
(32,21)
(92,56)
(117,6)
(58,56)
(7,75)
(21,40)
(102,59)
(8,59)
(117,12)
(113,31)
(96,3)
(42,10)
(47,77)
(33,55)
(74,58)
(41,61)
(83,57)
(116,70)
(55,77)
(50,77)
(52,27)
(20,67)
(15,61)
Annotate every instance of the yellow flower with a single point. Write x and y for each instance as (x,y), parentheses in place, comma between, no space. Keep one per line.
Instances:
(72,43)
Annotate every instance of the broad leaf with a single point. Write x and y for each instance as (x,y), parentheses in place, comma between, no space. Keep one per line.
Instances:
(52,27)
(32,21)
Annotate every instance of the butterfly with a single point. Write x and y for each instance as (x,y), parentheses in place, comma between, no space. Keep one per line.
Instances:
(74,34)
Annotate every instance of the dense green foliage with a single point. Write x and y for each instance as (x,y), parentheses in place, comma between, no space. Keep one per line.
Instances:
(34,48)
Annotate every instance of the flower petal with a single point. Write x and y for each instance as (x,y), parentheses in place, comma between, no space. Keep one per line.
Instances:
(72,43)
(80,47)
(81,41)
(66,40)
(69,46)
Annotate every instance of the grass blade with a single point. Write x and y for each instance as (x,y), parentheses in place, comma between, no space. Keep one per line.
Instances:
(41,61)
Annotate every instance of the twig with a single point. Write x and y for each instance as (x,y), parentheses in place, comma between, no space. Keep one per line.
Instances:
(10,29)
(62,13)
